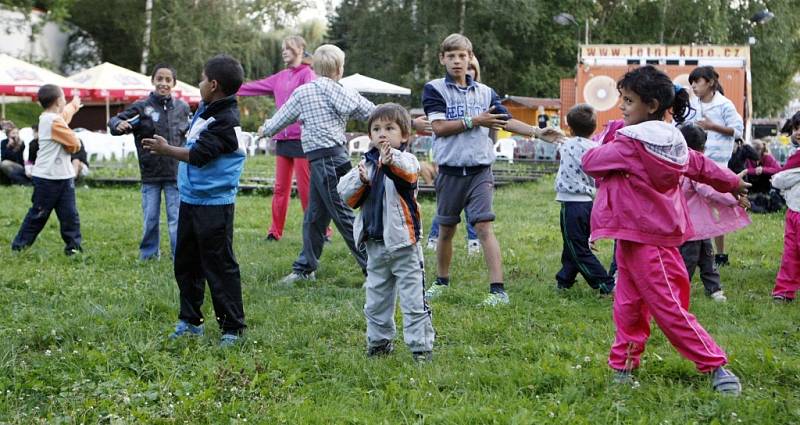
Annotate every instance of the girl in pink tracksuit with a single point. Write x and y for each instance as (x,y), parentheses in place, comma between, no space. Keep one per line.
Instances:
(640,204)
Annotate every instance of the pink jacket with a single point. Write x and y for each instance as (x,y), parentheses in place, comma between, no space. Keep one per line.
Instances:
(768,164)
(281,85)
(639,197)
(713,214)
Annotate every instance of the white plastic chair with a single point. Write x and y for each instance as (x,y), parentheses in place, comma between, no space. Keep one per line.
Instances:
(358,145)
(504,149)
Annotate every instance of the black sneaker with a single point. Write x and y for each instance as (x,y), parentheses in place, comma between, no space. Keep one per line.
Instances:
(380,350)
(271,238)
(782,299)
(72,251)
(721,260)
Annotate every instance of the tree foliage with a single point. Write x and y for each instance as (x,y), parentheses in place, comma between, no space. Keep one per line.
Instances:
(523,52)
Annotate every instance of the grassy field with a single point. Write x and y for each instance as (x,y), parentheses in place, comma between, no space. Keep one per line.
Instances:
(83,339)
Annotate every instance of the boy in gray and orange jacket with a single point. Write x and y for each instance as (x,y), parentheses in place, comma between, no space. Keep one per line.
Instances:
(53,175)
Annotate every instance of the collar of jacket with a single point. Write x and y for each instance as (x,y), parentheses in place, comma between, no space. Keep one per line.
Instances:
(450,81)
(161,100)
(216,106)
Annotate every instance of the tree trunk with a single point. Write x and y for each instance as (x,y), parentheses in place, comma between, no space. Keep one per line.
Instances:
(148,23)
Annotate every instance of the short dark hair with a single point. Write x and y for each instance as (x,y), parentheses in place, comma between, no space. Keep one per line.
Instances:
(582,119)
(164,66)
(394,113)
(695,136)
(227,71)
(48,94)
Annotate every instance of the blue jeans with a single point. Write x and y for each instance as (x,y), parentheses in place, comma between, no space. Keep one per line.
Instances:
(151,209)
(434,233)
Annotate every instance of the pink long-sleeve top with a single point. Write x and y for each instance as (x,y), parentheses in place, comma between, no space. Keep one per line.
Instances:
(769,166)
(712,213)
(281,85)
(639,197)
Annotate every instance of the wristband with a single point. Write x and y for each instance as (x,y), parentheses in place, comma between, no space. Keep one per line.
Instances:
(468,122)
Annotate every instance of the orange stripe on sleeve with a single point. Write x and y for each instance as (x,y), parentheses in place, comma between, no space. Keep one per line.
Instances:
(64,135)
(409,221)
(353,200)
(403,174)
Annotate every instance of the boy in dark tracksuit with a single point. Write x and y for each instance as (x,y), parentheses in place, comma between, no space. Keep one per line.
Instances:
(158,114)
(208,178)
(575,191)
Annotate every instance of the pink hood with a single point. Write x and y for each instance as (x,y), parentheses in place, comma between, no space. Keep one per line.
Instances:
(639,197)
(281,85)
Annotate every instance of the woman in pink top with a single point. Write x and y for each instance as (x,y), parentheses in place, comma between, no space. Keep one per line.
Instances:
(640,204)
(289,152)
(759,172)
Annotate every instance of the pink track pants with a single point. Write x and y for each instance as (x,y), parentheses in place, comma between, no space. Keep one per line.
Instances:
(652,281)
(788,281)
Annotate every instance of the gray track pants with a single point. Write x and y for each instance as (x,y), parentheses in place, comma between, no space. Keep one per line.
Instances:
(389,274)
(324,205)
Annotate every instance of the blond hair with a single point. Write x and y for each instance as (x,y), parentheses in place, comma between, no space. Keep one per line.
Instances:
(328,61)
(455,42)
(474,64)
(297,44)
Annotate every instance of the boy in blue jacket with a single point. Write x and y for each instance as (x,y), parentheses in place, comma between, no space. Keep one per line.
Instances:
(208,178)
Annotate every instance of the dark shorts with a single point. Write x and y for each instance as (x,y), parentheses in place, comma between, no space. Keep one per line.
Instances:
(472,192)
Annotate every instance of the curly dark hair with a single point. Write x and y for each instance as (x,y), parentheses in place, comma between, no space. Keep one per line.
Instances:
(651,84)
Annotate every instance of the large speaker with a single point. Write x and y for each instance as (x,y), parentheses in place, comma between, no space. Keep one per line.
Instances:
(601,92)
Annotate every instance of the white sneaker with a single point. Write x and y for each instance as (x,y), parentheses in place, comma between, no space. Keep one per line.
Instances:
(473,247)
(295,276)
(434,291)
(496,298)
(719,296)
(432,243)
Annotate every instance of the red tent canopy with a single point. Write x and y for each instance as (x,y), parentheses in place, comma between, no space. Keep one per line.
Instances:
(19,78)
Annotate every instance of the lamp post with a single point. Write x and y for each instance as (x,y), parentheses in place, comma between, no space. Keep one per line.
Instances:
(565,19)
(760,17)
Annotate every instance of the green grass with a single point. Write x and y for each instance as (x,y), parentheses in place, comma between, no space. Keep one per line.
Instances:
(82,340)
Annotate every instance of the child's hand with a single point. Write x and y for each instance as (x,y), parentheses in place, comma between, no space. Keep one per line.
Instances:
(76,101)
(421,123)
(261,131)
(742,189)
(552,135)
(157,145)
(124,126)
(744,202)
(362,173)
(490,120)
(386,153)
(592,246)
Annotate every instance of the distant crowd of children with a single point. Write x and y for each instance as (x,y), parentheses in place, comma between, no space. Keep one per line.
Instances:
(661,190)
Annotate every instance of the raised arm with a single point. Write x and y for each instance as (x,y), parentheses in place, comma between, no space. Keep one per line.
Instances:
(287,114)
(263,87)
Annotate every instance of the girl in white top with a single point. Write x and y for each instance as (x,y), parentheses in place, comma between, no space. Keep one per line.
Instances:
(716,114)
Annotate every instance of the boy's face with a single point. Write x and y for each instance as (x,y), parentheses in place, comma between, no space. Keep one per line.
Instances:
(207,88)
(382,130)
(456,62)
(163,82)
(61,102)
(796,136)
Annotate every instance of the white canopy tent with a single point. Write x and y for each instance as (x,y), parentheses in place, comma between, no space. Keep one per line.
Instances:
(364,84)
